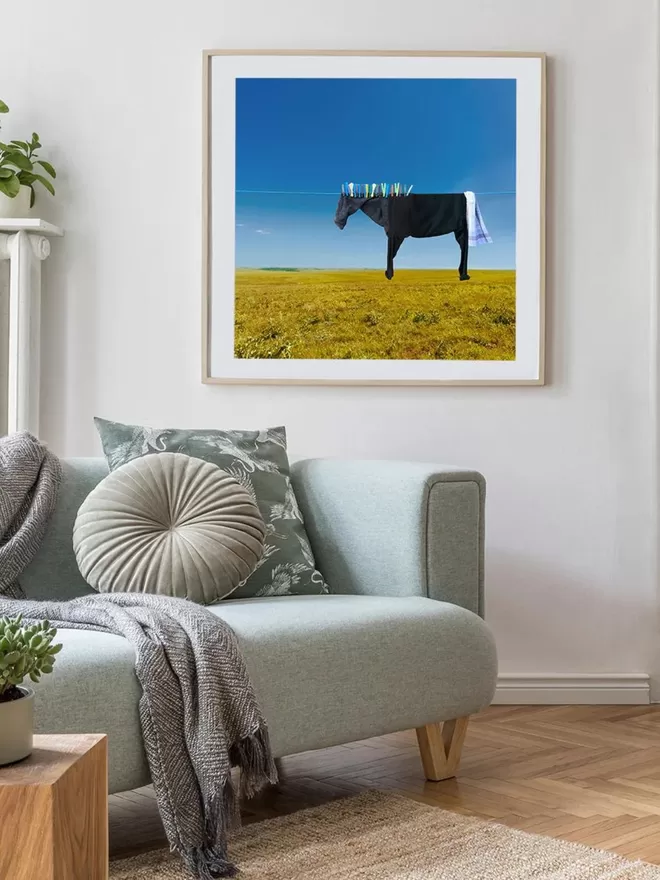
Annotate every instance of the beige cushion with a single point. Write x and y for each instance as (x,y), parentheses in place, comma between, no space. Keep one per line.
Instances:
(168,524)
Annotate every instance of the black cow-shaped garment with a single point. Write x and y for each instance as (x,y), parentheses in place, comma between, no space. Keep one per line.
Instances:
(415,216)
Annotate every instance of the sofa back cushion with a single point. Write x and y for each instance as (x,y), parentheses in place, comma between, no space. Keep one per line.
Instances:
(53,573)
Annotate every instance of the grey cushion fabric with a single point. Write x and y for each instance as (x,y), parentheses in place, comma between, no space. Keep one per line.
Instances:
(54,573)
(361,514)
(258,460)
(168,524)
(326,669)
(376,527)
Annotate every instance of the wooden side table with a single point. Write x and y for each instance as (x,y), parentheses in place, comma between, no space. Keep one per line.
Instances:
(54,811)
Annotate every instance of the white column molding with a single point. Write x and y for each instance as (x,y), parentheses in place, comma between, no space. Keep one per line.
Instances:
(25,245)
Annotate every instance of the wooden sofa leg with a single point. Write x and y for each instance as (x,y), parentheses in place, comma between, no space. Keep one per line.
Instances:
(440,746)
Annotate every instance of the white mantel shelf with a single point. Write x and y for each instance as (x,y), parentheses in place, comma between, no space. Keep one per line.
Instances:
(30,224)
(24,245)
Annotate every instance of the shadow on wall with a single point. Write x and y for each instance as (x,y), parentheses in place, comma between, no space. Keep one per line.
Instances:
(68,352)
(548,620)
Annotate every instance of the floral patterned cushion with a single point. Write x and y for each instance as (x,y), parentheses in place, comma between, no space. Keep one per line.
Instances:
(258,460)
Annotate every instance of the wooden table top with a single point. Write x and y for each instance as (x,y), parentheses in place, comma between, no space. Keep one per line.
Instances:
(52,756)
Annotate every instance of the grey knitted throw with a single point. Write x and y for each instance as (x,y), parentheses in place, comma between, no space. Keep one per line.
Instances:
(198,710)
(29,479)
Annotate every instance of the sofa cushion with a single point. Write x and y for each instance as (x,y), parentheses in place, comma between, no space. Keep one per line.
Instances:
(326,670)
(54,573)
(258,460)
(168,524)
(331,669)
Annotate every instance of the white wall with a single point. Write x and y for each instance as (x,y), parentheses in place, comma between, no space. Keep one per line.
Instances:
(115,91)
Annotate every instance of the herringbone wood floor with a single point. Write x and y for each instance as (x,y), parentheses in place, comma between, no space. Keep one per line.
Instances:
(584,773)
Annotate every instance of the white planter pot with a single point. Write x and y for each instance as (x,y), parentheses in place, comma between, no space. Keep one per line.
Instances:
(16,728)
(10,209)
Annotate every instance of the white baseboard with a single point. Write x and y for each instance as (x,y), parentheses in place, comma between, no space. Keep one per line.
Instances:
(619,688)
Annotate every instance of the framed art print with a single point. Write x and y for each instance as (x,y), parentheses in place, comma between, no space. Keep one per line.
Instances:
(373,218)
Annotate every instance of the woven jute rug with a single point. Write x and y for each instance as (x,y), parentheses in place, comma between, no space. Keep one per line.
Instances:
(378,836)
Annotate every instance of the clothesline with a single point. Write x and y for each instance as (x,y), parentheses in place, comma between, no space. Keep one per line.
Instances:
(286,192)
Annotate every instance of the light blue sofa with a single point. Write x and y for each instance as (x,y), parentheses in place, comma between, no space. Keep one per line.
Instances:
(399,644)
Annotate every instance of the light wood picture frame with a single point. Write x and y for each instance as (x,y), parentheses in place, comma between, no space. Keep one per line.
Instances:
(289,298)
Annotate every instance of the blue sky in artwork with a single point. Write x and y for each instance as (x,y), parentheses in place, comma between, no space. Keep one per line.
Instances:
(310,135)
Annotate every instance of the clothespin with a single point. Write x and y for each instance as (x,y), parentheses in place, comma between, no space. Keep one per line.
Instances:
(409,189)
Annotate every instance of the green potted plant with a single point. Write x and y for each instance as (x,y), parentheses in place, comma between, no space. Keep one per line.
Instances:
(25,652)
(20,169)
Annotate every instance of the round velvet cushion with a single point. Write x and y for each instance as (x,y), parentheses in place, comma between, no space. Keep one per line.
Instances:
(169,524)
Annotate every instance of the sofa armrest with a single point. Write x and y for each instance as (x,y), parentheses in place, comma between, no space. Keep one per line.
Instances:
(395,528)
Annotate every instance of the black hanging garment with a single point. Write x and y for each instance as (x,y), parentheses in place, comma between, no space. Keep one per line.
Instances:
(414,216)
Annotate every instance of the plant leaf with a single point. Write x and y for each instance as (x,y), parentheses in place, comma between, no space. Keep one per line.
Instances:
(22,144)
(15,157)
(3,107)
(47,166)
(45,182)
(10,186)
(33,197)
(5,173)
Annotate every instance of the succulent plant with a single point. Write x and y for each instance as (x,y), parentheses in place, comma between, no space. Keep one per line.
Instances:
(25,652)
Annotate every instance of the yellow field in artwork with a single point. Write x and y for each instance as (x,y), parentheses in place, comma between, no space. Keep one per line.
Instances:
(421,314)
